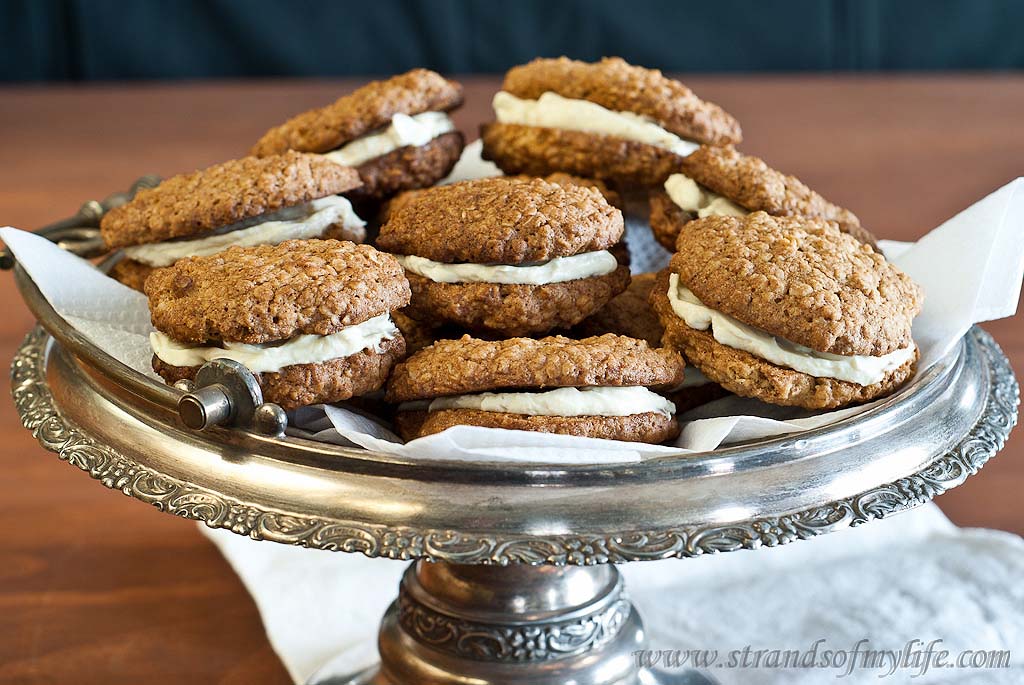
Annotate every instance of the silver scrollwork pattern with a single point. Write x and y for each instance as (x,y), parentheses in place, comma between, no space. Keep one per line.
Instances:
(512,643)
(38,413)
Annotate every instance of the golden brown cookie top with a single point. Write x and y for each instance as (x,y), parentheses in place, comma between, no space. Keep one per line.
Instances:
(558,178)
(799,279)
(468,365)
(274,292)
(500,220)
(563,179)
(617,85)
(752,184)
(363,110)
(223,194)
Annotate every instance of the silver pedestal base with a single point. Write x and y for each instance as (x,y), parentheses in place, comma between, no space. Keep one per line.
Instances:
(455,625)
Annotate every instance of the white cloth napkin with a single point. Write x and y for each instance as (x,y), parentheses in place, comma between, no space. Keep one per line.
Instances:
(911,576)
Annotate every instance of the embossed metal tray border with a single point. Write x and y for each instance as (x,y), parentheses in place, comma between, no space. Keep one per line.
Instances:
(39,414)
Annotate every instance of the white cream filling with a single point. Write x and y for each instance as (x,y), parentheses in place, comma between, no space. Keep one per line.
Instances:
(325,212)
(404,131)
(859,369)
(557,270)
(551,110)
(302,349)
(695,198)
(588,401)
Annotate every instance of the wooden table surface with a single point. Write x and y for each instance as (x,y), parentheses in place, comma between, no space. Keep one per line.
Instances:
(98,588)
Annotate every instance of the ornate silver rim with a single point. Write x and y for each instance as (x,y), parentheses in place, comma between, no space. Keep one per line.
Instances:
(73,444)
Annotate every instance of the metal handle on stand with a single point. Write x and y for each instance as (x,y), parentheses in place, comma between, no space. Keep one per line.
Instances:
(225,393)
(80,233)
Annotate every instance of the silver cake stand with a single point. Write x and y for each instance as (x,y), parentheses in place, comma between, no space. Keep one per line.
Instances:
(512,579)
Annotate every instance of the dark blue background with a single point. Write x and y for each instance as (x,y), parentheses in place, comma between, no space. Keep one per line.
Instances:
(45,40)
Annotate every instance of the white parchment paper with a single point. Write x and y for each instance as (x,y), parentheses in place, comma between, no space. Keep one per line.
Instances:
(970,267)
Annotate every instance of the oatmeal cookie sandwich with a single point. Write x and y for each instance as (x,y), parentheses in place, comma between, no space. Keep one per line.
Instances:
(310,318)
(243,202)
(597,387)
(788,310)
(397,133)
(608,120)
(719,181)
(507,256)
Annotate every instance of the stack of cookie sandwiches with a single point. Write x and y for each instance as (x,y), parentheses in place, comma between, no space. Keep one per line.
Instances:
(788,310)
(772,292)
(507,256)
(310,318)
(597,387)
(608,120)
(243,202)
(397,133)
(720,181)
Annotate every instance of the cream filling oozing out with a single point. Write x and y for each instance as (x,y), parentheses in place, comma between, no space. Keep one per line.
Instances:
(404,131)
(551,110)
(859,369)
(696,199)
(302,349)
(587,401)
(557,270)
(323,213)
